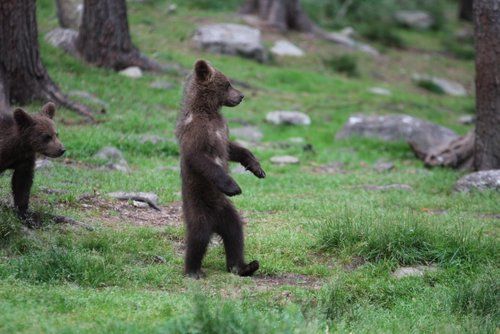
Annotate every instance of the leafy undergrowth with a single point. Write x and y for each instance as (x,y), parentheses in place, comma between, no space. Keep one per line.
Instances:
(328,247)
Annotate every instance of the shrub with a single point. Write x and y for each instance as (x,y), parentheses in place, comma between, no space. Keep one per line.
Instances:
(345,64)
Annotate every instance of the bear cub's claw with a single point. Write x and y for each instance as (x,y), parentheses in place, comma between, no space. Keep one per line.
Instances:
(248,269)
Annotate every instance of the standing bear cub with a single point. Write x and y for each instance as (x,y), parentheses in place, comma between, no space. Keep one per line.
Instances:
(22,136)
(205,151)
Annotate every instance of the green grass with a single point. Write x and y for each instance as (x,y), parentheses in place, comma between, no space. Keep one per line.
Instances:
(305,228)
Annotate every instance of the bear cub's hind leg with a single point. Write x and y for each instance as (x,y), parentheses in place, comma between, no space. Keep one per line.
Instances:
(230,229)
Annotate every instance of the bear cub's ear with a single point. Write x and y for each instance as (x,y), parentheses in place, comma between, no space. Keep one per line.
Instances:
(48,110)
(22,118)
(203,70)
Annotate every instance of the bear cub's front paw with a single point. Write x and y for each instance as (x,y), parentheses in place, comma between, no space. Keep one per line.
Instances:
(257,171)
(230,188)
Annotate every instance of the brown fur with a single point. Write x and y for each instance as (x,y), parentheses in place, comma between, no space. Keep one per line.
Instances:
(205,151)
(22,136)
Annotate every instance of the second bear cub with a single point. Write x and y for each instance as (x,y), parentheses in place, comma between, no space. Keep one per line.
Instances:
(205,151)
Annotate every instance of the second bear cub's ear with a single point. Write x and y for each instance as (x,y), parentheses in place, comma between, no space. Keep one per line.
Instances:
(22,118)
(48,110)
(203,70)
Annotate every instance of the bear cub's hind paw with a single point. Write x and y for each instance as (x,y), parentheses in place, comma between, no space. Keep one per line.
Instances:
(246,270)
(196,274)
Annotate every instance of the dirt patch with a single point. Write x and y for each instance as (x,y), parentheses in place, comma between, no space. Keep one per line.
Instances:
(114,213)
(266,282)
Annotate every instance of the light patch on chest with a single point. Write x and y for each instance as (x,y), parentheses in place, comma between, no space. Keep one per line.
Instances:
(219,134)
(218,161)
(188,120)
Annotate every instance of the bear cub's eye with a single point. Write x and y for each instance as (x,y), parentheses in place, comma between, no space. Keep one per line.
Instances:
(46,138)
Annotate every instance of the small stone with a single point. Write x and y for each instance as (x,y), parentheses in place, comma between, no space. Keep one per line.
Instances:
(414,19)
(138,204)
(159,259)
(249,133)
(114,159)
(467,119)
(152,139)
(382,166)
(285,160)
(163,85)
(380,91)
(297,140)
(417,271)
(480,181)
(149,198)
(171,9)
(288,118)
(403,187)
(441,85)
(133,72)
(286,48)
(43,164)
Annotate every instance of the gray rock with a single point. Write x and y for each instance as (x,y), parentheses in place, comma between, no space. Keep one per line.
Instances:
(70,13)
(345,40)
(286,48)
(467,119)
(249,133)
(285,160)
(163,85)
(414,19)
(297,140)
(383,166)
(133,72)
(484,180)
(380,91)
(387,187)
(288,118)
(442,85)
(113,159)
(424,135)
(171,9)
(231,39)
(64,39)
(417,271)
(43,164)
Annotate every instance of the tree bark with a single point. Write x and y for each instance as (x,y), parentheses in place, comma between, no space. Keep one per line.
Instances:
(487,37)
(23,78)
(282,14)
(466,13)
(104,39)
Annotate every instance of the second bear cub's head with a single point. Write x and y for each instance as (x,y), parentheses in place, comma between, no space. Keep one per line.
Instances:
(38,132)
(214,85)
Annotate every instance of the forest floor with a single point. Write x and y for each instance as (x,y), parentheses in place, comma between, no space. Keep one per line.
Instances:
(328,246)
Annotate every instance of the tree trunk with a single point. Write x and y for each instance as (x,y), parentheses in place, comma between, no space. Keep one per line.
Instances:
(282,14)
(23,78)
(104,38)
(465,12)
(487,37)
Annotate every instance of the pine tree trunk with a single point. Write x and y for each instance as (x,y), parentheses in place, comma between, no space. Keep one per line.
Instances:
(465,12)
(104,38)
(23,78)
(282,14)
(487,37)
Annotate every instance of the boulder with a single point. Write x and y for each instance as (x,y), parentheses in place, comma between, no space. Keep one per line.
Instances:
(231,39)
(113,159)
(422,134)
(414,19)
(248,133)
(286,48)
(380,91)
(417,271)
(288,118)
(440,85)
(64,39)
(133,72)
(483,180)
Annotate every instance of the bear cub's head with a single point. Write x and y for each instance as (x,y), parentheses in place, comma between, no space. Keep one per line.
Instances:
(216,85)
(38,131)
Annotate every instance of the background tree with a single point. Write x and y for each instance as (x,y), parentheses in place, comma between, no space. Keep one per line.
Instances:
(23,78)
(69,13)
(465,12)
(487,37)
(104,37)
(282,14)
